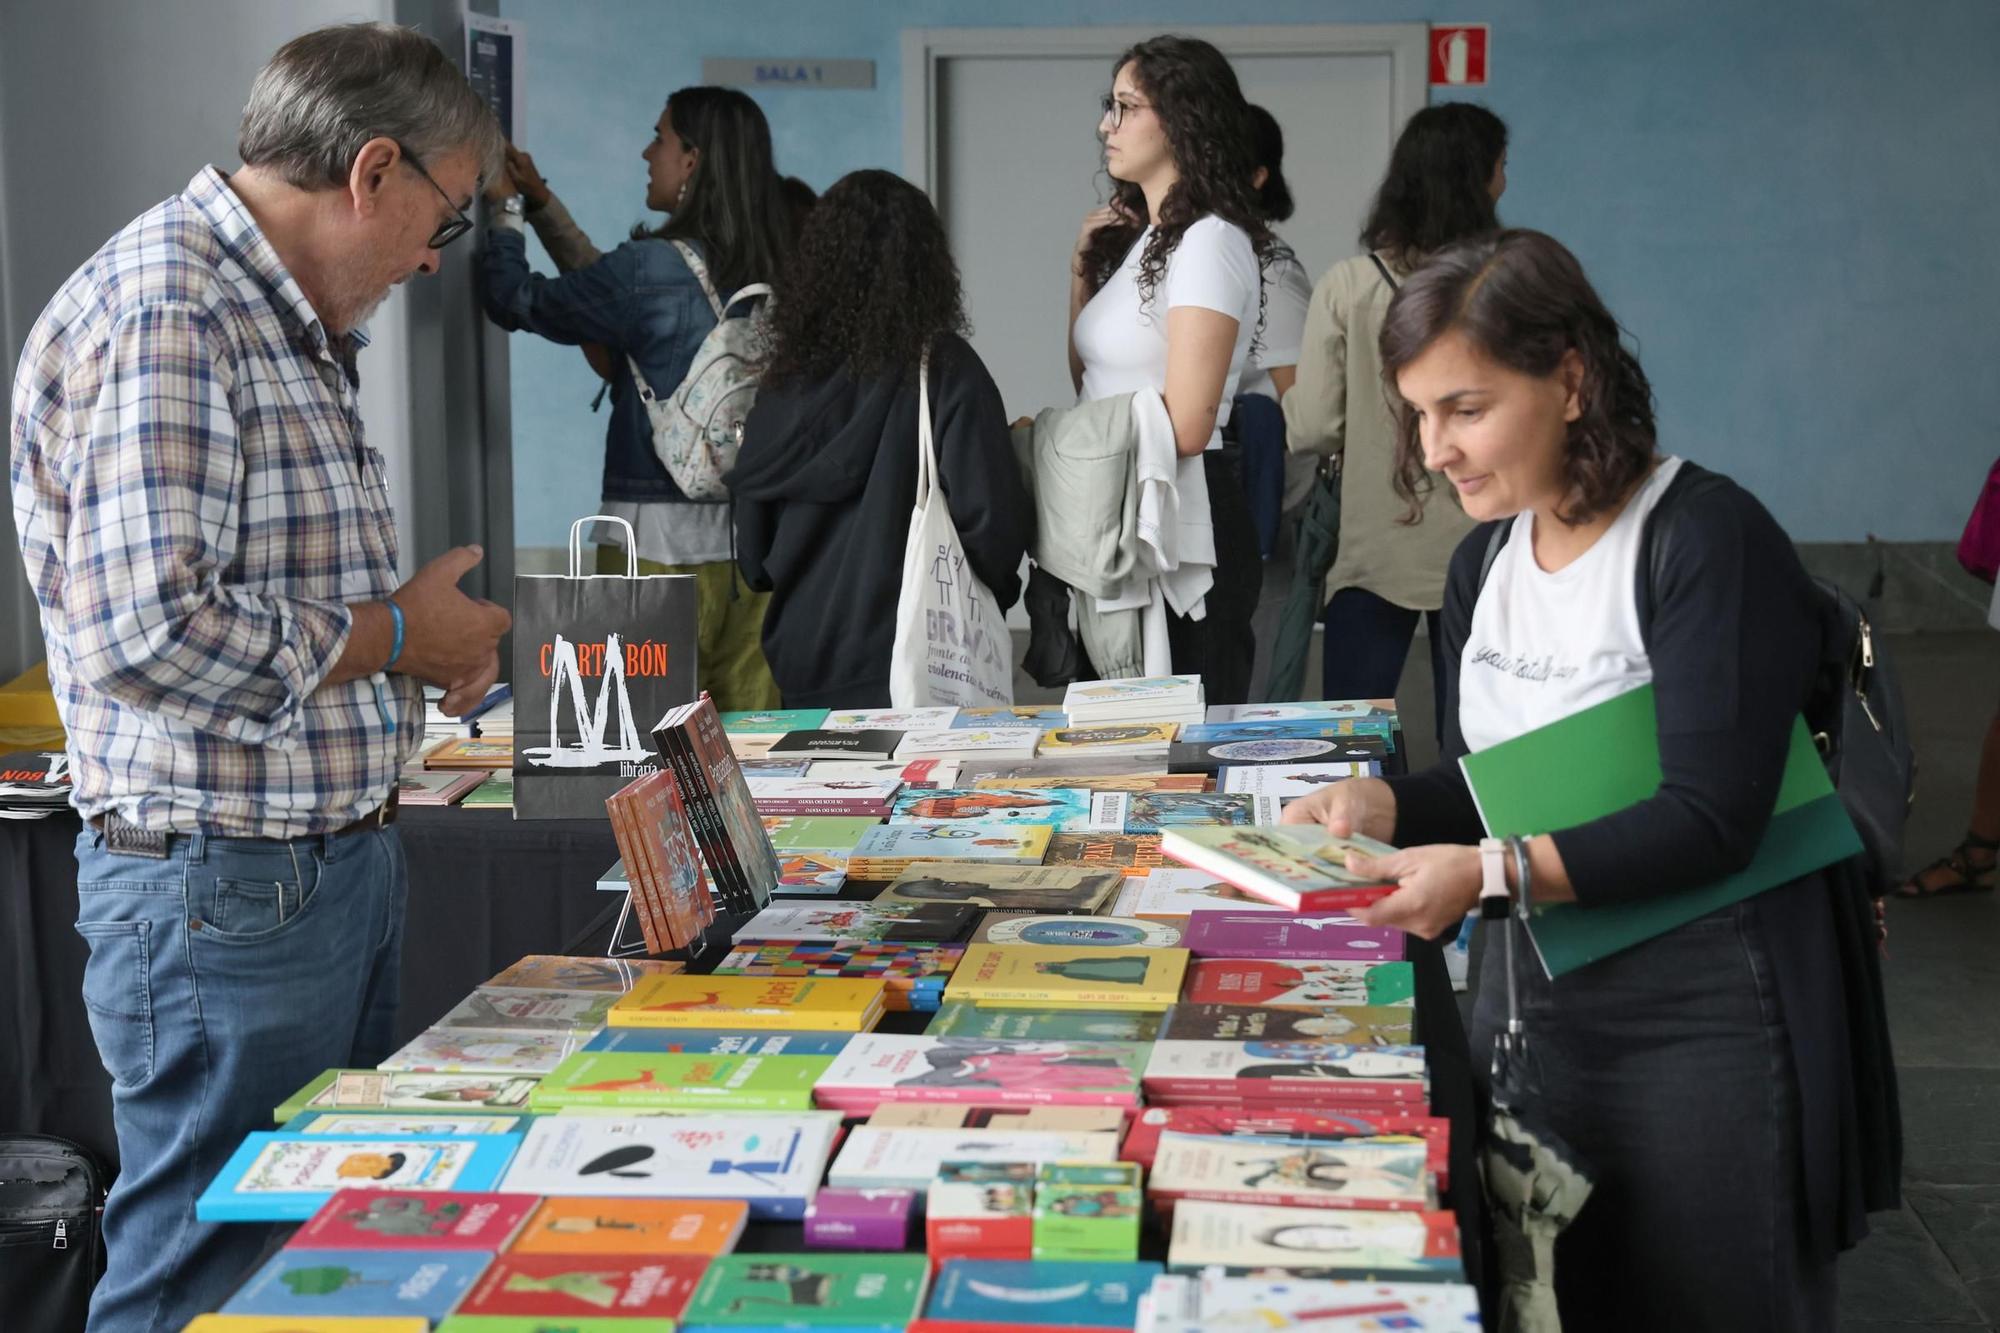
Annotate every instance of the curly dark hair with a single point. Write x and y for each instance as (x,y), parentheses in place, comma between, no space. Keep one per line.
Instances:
(1524,301)
(1194,92)
(734,206)
(1267,150)
(1438,188)
(871,284)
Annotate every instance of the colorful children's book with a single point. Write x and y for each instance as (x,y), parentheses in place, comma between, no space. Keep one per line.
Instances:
(409,1124)
(507,1323)
(890,719)
(415,786)
(1315,1242)
(1047,889)
(774,719)
(772,1162)
(1297,866)
(890,1068)
(1277,1124)
(695,1041)
(1081,741)
(632,1226)
(556,1286)
(278,1177)
(681,1082)
(1288,782)
(860,1219)
(1087,1212)
(1088,701)
(1010,1295)
(817,833)
(1063,808)
(971,742)
(1223,934)
(1079,932)
(275,1323)
(496,1009)
(543,971)
(1293,729)
(496,793)
(1182,1303)
(909,970)
(884,1157)
(980,1208)
(1210,756)
(394,1220)
(811,872)
(1254,981)
(827,1293)
(877,922)
(1298,1173)
(484,754)
(480,1051)
(1346,710)
(1284,1073)
(357,1283)
(678,881)
(1125,782)
(887,852)
(956,1018)
(810,1004)
(1156,812)
(371,1090)
(1176,891)
(741,864)
(1389,1025)
(1015,976)
(1042,717)
(1127,853)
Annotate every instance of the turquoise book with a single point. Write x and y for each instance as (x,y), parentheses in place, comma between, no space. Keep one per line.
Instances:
(1004,1294)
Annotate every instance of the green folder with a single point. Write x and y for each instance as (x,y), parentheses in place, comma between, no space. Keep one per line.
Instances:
(1605,758)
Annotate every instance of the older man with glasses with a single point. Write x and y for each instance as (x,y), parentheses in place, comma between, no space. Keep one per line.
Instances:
(212,545)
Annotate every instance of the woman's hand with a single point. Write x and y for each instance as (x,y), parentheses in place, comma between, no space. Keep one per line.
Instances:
(534,190)
(1436,887)
(1365,806)
(1093,221)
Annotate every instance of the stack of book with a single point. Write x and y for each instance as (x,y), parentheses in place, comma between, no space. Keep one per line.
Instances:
(672,895)
(1060,1211)
(883,1067)
(742,867)
(420,786)
(1167,699)
(980,743)
(34,784)
(867,798)
(915,974)
(484,754)
(751,1003)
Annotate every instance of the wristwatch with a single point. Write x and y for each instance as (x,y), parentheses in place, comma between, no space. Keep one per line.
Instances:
(514,204)
(1493,899)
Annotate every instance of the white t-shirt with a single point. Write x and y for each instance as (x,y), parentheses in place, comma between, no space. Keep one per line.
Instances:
(1543,646)
(1287,293)
(1123,343)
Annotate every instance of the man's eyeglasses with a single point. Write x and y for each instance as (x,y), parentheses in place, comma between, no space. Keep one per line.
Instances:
(1114,110)
(452,227)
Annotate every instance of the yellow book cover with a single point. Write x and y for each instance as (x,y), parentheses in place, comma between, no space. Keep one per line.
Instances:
(293,1323)
(1021,976)
(817,1004)
(1110,736)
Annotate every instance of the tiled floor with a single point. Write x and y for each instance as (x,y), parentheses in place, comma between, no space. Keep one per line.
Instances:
(1935,1264)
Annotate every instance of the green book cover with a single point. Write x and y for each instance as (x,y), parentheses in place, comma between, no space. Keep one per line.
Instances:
(641,1079)
(497,790)
(1606,758)
(509,1323)
(810,1291)
(774,721)
(820,833)
(959,1018)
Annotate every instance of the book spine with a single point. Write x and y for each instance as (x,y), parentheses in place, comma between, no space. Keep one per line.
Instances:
(1232,871)
(819,805)
(686,925)
(704,817)
(1167,1197)
(637,870)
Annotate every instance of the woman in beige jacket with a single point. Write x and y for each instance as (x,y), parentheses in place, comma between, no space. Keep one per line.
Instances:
(1446,174)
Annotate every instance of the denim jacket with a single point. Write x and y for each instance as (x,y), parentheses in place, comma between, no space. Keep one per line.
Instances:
(640,299)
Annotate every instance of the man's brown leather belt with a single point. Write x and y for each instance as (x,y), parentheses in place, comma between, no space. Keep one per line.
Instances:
(130,840)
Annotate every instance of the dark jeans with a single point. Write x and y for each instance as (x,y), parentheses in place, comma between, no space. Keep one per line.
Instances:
(1366,643)
(1222,645)
(1668,1069)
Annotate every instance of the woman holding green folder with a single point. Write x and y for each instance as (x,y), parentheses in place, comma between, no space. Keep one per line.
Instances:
(1727,1080)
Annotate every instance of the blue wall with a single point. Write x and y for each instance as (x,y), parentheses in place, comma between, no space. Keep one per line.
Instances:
(1792,207)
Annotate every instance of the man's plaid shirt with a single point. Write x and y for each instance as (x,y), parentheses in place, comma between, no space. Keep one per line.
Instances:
(196,506)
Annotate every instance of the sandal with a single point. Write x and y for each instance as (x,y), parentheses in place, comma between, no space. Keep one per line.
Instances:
(1971,877)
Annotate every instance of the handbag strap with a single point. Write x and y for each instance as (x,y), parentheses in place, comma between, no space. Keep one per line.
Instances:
(1383,269)
(576,543)
(926,449)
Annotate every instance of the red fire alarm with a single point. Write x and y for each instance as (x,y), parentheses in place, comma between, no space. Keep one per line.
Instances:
(1458,55)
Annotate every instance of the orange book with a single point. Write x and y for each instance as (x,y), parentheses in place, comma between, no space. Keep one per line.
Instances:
(638,870)
(632,1226)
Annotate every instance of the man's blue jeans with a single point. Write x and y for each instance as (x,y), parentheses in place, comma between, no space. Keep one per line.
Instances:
(220,981)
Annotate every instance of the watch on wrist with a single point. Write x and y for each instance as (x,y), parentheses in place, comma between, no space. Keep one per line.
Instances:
(1493,897)
(513,204)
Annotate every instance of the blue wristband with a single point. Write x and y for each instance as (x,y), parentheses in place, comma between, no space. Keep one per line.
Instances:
(395,648)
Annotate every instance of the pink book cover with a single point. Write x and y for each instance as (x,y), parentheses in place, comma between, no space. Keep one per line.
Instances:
(1142,1141)
(394,1220)
(1271,935)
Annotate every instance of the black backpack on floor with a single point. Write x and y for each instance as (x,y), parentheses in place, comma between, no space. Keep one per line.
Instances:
(51,1249)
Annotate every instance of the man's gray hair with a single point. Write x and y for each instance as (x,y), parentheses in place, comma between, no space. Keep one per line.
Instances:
(328,92)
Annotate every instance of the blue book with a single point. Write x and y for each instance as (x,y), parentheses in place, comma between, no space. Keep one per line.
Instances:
(286,1177)
(1303,728)
(1005,1293)
(667,1041)
(1048,717)
(359,1284)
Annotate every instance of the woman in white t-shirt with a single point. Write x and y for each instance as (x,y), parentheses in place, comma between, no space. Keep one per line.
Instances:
(1166,293)
(1271,476)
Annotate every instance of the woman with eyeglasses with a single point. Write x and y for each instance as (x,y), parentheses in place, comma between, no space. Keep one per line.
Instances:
(1166,294)
(709,169)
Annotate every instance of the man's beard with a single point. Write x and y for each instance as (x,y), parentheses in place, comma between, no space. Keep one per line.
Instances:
(354,300)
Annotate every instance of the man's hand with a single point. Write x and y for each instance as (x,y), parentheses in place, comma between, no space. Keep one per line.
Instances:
(534,190)
(501,186)
(450,639)
(1366,806)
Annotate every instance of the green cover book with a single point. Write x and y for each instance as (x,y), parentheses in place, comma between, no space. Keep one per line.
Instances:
(1606,758)
(859,1292)
(642,1079)
(959,1018)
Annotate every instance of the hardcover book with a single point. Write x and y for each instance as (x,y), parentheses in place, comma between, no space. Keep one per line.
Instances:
(739,857)
(1007,1296)
(778,720)
(1296,866)
(556,1286)
(904,966)
(361,1219)
(879,1156)
(835,743)
(817,833)
(278,1177)
(1181,1303)
(676,884)
(833,1293)
(1274,935)
(1066,809)
(891,719)
(736,1082)
(528,1010)
(1047,889)
(371,1090)
(632,1226)
(845,797)
(888,1068)
(811,872)
(772,1162)
(886,852)
(956,1018)
(356,1284)
(1038,976)
(478,1051)
(809,1004)
(485,754)
(1127,853)
(1315,1242)
(682,1041)
(864,923)
(541,971)
(1209,756)
(1288,782)
(1155,812)
(1389,1121)
(1109,738)
(1342,984)
(1389,1025)
(1079,932)
(1298,1173)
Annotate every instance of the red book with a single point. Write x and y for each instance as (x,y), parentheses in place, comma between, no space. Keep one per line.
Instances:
(683,894)
(625,1286)
(394,1220)
(638,867)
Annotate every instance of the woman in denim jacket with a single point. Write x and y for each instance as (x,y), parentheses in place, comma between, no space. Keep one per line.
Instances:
(709,168)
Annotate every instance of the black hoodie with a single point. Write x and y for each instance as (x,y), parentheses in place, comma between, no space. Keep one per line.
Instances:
(824,488)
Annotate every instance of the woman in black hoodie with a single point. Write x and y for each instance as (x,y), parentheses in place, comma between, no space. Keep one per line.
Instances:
(827,478)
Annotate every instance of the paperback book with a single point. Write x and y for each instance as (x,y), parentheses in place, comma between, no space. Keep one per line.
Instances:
(1042,717)
(464,753)
(674,1041)
(1009,1295)
(498,1009)
(831,743)
(887,1068)
(1080,932)
(1277,1124)
(376,1091)
(828,1293)
(496,793)
(1296,866)
(1065,809)
(910,772)
(890,719)
(807,1004)
(478,1051)
(1109,738)
(860,923)
(980,1207)
(817,833)
(1038,976)
(1125,782)
(281,1177)
(414,786)
(1342,984)
(883,1157)
(370,1219)
(542,971)
(738,855)
(1181,1303)
(736,1082)
(1155,812)
(1347,710)
(632,1226)
(1315,1242)
(811,872)
(413,1124)
(357,1284)
(1290,1073)
(1085,1211)
(1089,701)
(1064,890)
(1128,853)
(860,1219)
(849,797)
(957,1018)
(772,1162)
(779,720)
(980,742)
(1175,890)
(1299,1173)
(1290,729)
(905,967)
(1389,1025)
(1210,756)
(886,852)
(558,1286)
(672,877)
(1288,782)
(1224,934)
